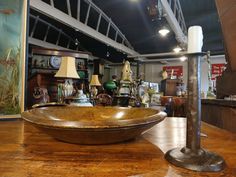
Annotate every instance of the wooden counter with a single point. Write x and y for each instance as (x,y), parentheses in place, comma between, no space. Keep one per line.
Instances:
(27,152)
(220,113)
(219,102)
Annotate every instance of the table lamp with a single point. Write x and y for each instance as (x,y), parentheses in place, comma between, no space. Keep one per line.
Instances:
(67,71)
(94,83)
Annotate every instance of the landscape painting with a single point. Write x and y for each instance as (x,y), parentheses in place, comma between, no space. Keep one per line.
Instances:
(13,19)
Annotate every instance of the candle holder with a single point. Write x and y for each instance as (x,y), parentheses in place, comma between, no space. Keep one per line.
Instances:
(192,156)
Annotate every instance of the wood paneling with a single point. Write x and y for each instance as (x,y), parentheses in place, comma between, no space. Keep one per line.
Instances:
(227,12)
(226,85)
(220,116)
(169,86)
(27,152)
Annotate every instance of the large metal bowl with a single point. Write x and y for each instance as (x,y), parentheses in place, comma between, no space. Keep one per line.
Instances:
(93,125)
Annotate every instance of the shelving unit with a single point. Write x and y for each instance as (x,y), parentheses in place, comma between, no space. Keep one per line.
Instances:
(41,80)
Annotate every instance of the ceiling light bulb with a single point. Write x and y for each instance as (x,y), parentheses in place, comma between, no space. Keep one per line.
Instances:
(134,0)
(183,58)
(163,32)
(108,54)
(76,41)
(177,49)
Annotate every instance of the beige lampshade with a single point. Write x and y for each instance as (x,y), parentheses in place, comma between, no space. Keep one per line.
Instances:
(67,68)
(95,81)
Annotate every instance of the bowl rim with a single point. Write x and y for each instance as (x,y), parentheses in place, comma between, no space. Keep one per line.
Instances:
(117,124)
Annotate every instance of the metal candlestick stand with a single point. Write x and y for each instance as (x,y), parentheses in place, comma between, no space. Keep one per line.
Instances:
(192,156)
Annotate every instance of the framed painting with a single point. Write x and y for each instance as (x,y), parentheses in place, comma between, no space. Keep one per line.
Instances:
(13,52)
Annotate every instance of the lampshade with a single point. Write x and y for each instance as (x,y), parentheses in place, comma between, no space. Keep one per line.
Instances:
(95,81)
(67,68)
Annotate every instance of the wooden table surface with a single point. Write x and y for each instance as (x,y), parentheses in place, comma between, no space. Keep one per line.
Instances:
(27,152)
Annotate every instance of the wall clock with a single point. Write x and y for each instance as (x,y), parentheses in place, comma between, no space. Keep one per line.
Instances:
(55,62)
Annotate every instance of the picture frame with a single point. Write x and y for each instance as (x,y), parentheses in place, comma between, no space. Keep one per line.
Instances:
(13,54)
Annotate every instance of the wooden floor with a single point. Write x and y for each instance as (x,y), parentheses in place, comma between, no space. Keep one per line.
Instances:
(27,152)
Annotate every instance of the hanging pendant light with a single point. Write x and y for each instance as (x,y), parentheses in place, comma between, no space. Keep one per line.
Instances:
(164,31)
(177,49)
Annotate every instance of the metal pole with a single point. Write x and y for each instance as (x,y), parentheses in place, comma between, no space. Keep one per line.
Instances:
(194,104)
(52,3)
(68,7)
(34,27)
(88,12)
(99,21)
(108,28)
(46,35)
(138,68)
(78,10)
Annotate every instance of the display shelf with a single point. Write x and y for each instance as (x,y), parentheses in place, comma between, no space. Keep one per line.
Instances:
(82,69)
(41,75)
(53,69)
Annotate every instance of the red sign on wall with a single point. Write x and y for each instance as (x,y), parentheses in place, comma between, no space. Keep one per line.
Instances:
(177,70)
(216,70)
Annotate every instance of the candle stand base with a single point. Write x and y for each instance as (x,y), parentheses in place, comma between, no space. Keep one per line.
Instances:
(202,161)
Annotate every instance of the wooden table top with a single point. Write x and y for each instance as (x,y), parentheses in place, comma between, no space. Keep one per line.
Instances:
(27,152)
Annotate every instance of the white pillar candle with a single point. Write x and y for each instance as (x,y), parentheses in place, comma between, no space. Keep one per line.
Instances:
(195,39)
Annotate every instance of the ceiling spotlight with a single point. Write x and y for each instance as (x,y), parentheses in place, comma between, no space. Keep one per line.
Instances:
(163,32)
(133,0)
(177,49)
(183,58)
(108,54)
(76,41)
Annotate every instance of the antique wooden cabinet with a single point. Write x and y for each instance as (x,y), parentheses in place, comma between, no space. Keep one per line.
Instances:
(169,87)
(43,65)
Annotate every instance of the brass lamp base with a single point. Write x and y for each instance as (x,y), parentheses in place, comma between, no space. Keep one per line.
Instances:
(202,161)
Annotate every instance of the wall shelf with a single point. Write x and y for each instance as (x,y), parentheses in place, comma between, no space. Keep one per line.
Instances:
(41,75)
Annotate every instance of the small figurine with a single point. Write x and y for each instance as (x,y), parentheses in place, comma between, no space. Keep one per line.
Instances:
(126,72)
(80,94)
(145,98)
(68,88)
(164,75)
(40,95)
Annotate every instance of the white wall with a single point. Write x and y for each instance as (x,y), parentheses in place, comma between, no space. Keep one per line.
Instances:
(204,80)
(107,75)
(153,71)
